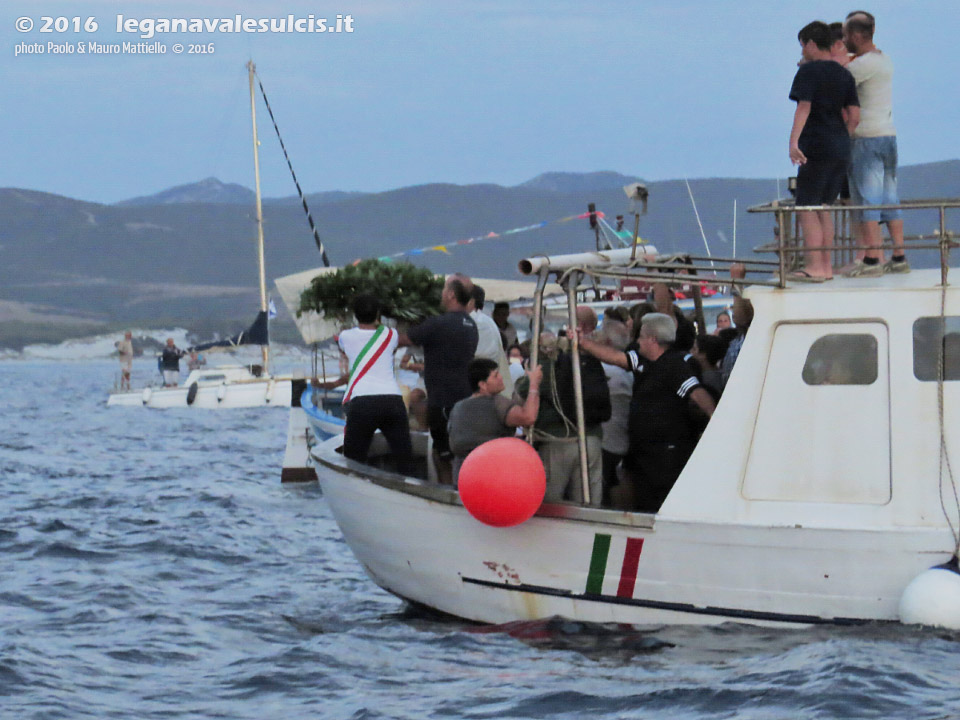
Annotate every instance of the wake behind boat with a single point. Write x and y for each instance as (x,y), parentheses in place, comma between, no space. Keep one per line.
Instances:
(820,489)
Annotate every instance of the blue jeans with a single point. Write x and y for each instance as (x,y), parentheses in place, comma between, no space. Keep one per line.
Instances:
(873,176)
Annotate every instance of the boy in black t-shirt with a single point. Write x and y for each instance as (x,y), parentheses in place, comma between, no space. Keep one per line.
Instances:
(827,112)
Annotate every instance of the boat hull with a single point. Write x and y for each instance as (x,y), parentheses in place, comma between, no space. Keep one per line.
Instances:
(417,541)
(325,417)
(254,393)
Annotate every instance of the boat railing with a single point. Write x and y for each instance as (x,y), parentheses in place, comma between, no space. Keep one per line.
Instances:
(788,241)
(571,272)
(577,274)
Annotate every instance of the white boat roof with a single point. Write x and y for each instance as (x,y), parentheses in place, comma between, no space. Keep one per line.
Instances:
(914,280)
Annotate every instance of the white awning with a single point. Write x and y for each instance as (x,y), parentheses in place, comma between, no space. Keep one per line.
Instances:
(316,328)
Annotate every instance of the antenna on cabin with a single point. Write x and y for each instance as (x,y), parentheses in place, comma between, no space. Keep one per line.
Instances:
(734,227)
(594,225)
(637,192)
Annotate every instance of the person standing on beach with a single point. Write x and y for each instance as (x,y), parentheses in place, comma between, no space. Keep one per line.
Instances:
(827,112)
(873,166)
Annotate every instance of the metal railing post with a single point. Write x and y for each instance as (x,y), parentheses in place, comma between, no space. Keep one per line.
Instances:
(573,280)
(781,239)
(944,246)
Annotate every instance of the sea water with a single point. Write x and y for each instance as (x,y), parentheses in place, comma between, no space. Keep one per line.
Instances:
(153,566)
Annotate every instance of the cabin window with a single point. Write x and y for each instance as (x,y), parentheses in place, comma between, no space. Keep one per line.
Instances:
(931,335)
(212,378)
(841,359)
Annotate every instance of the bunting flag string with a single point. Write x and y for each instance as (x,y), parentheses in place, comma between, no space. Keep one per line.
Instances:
(445,247)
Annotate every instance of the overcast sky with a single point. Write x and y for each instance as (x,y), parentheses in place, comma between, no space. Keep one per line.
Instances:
(452,91)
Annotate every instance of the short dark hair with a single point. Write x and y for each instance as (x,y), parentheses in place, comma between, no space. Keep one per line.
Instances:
(460,291)
(479,295)
(713,348)
(866,24)
(817,31)
(836,32)
(501,305)
(686,331)
(617,313)
(729,334)
(479,370)
(366,308)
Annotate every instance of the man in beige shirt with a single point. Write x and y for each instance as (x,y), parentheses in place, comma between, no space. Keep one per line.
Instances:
(873,164)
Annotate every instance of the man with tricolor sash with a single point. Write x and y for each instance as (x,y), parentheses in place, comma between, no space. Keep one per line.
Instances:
(373,400)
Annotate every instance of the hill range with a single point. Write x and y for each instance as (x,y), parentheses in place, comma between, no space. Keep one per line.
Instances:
(187,257)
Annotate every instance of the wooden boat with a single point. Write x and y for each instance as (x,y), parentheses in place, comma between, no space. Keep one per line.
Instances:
(819,490)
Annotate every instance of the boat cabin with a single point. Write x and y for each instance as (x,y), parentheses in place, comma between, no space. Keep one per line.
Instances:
(820,488)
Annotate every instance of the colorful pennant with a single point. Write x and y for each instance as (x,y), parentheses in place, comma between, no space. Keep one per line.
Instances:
(445,248)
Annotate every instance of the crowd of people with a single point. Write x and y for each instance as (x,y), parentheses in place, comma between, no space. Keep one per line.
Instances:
(649,382)
(845,143)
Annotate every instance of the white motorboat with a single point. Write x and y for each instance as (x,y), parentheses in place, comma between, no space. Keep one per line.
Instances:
(819,490)
(218,387)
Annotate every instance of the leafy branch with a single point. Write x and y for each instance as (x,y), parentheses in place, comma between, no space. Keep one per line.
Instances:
(406,292)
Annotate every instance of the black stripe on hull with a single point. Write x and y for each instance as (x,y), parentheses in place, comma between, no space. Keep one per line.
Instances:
(731,613)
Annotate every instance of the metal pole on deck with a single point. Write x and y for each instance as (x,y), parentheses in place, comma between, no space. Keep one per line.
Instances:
(537,324)
(636,236)
(264,349)
(944,246)
(781,239)
(573,280)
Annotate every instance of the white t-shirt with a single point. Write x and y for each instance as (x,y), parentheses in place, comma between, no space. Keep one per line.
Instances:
(489,345)
(370,353)
(873,72)
(516,371)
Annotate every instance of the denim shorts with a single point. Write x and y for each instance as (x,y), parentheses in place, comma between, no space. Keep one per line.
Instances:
(873,176)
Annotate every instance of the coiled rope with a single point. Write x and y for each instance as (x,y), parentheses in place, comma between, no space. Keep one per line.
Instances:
(303,199)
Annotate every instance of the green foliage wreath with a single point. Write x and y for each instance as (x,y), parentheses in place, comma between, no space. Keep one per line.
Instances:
(406,292)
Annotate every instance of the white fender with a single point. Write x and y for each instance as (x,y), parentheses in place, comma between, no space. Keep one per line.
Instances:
(147,394)
(933,598)
(221,392)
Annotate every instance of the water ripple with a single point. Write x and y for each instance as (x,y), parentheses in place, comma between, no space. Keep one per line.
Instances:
(154,567)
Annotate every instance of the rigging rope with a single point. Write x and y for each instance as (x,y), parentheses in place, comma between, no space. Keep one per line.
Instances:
(944,455)
(303,199)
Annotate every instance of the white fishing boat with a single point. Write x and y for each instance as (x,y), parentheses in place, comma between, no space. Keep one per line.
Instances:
(820,489)
(226,386)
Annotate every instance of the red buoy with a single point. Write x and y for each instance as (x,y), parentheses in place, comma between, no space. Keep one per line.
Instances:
(502,482)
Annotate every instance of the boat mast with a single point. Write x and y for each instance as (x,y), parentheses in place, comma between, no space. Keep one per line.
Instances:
(264,349)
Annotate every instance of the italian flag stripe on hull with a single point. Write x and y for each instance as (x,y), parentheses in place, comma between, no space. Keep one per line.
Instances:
(628,566)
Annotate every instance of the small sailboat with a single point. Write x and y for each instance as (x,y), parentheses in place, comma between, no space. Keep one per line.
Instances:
(227,386)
